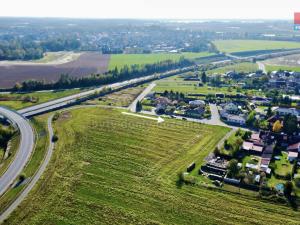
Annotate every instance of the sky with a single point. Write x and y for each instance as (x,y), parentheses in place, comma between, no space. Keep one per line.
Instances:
(152,9)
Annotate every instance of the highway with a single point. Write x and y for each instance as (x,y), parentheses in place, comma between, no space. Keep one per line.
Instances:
(66,101)
(35,178)
(23,153)
(63,102)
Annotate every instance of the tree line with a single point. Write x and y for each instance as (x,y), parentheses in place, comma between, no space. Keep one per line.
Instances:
(115,75)
(28,50)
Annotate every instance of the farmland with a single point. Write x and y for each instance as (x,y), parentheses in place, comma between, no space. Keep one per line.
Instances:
(22,100)
(232,46)
(120,60)
(124,169)
(85,64)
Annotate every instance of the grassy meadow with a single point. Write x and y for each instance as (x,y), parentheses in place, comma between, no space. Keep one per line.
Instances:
(240,67)
(231,46)
(110,168)
(278,67)
(120,60)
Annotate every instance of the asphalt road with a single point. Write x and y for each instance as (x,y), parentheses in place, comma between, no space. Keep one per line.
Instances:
(59,103)
(35,178)
(23,153)
(132,106)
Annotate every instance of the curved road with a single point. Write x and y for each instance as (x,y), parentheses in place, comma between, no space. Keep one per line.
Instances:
(35,178)
(23,154)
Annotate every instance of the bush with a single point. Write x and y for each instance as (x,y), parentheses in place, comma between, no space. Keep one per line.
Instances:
(54,138)
(297,182)
(55,117)
(217,151)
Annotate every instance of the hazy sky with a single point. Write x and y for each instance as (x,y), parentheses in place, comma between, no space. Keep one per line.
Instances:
(174,9)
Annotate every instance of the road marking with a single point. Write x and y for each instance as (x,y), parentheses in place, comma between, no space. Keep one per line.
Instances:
(158,119)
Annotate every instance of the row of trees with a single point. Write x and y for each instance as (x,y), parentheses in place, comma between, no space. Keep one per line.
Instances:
(173,95)
(112,76)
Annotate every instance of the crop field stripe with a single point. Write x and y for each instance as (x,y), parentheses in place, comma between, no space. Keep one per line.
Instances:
(95,179)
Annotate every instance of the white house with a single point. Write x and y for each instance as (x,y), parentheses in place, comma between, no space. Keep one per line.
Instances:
(292,156)
(236,119)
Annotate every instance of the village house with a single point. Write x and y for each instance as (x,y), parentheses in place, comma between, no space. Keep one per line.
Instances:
(232,114)
(254,145)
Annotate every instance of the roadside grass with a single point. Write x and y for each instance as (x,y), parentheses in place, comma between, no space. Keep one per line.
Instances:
(111,168)
(40,125)
(120,60)
(18,103)
(121,98)
(15,141)
(231,46)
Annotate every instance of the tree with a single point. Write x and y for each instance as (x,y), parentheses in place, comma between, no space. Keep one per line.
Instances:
(233,168)
(277,126)
(288,189)
(217,151)
(290,124)
(250,119)
(139,106)
(203,77)
(269,112)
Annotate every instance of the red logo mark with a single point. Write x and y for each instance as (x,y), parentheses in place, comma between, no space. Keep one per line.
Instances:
(296,18)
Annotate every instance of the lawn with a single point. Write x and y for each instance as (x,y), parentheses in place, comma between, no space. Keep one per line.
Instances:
(231,46)
(283,167)
(110,168)
(120,60)
(16,100)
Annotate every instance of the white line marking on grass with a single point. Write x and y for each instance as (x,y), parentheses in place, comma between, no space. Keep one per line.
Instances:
(158,119)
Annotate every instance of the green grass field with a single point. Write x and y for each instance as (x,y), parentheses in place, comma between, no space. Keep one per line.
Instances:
(110,168)
(277,67)
(177,83)
(230,46)
(17,103)
(240,67)
(120,60)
